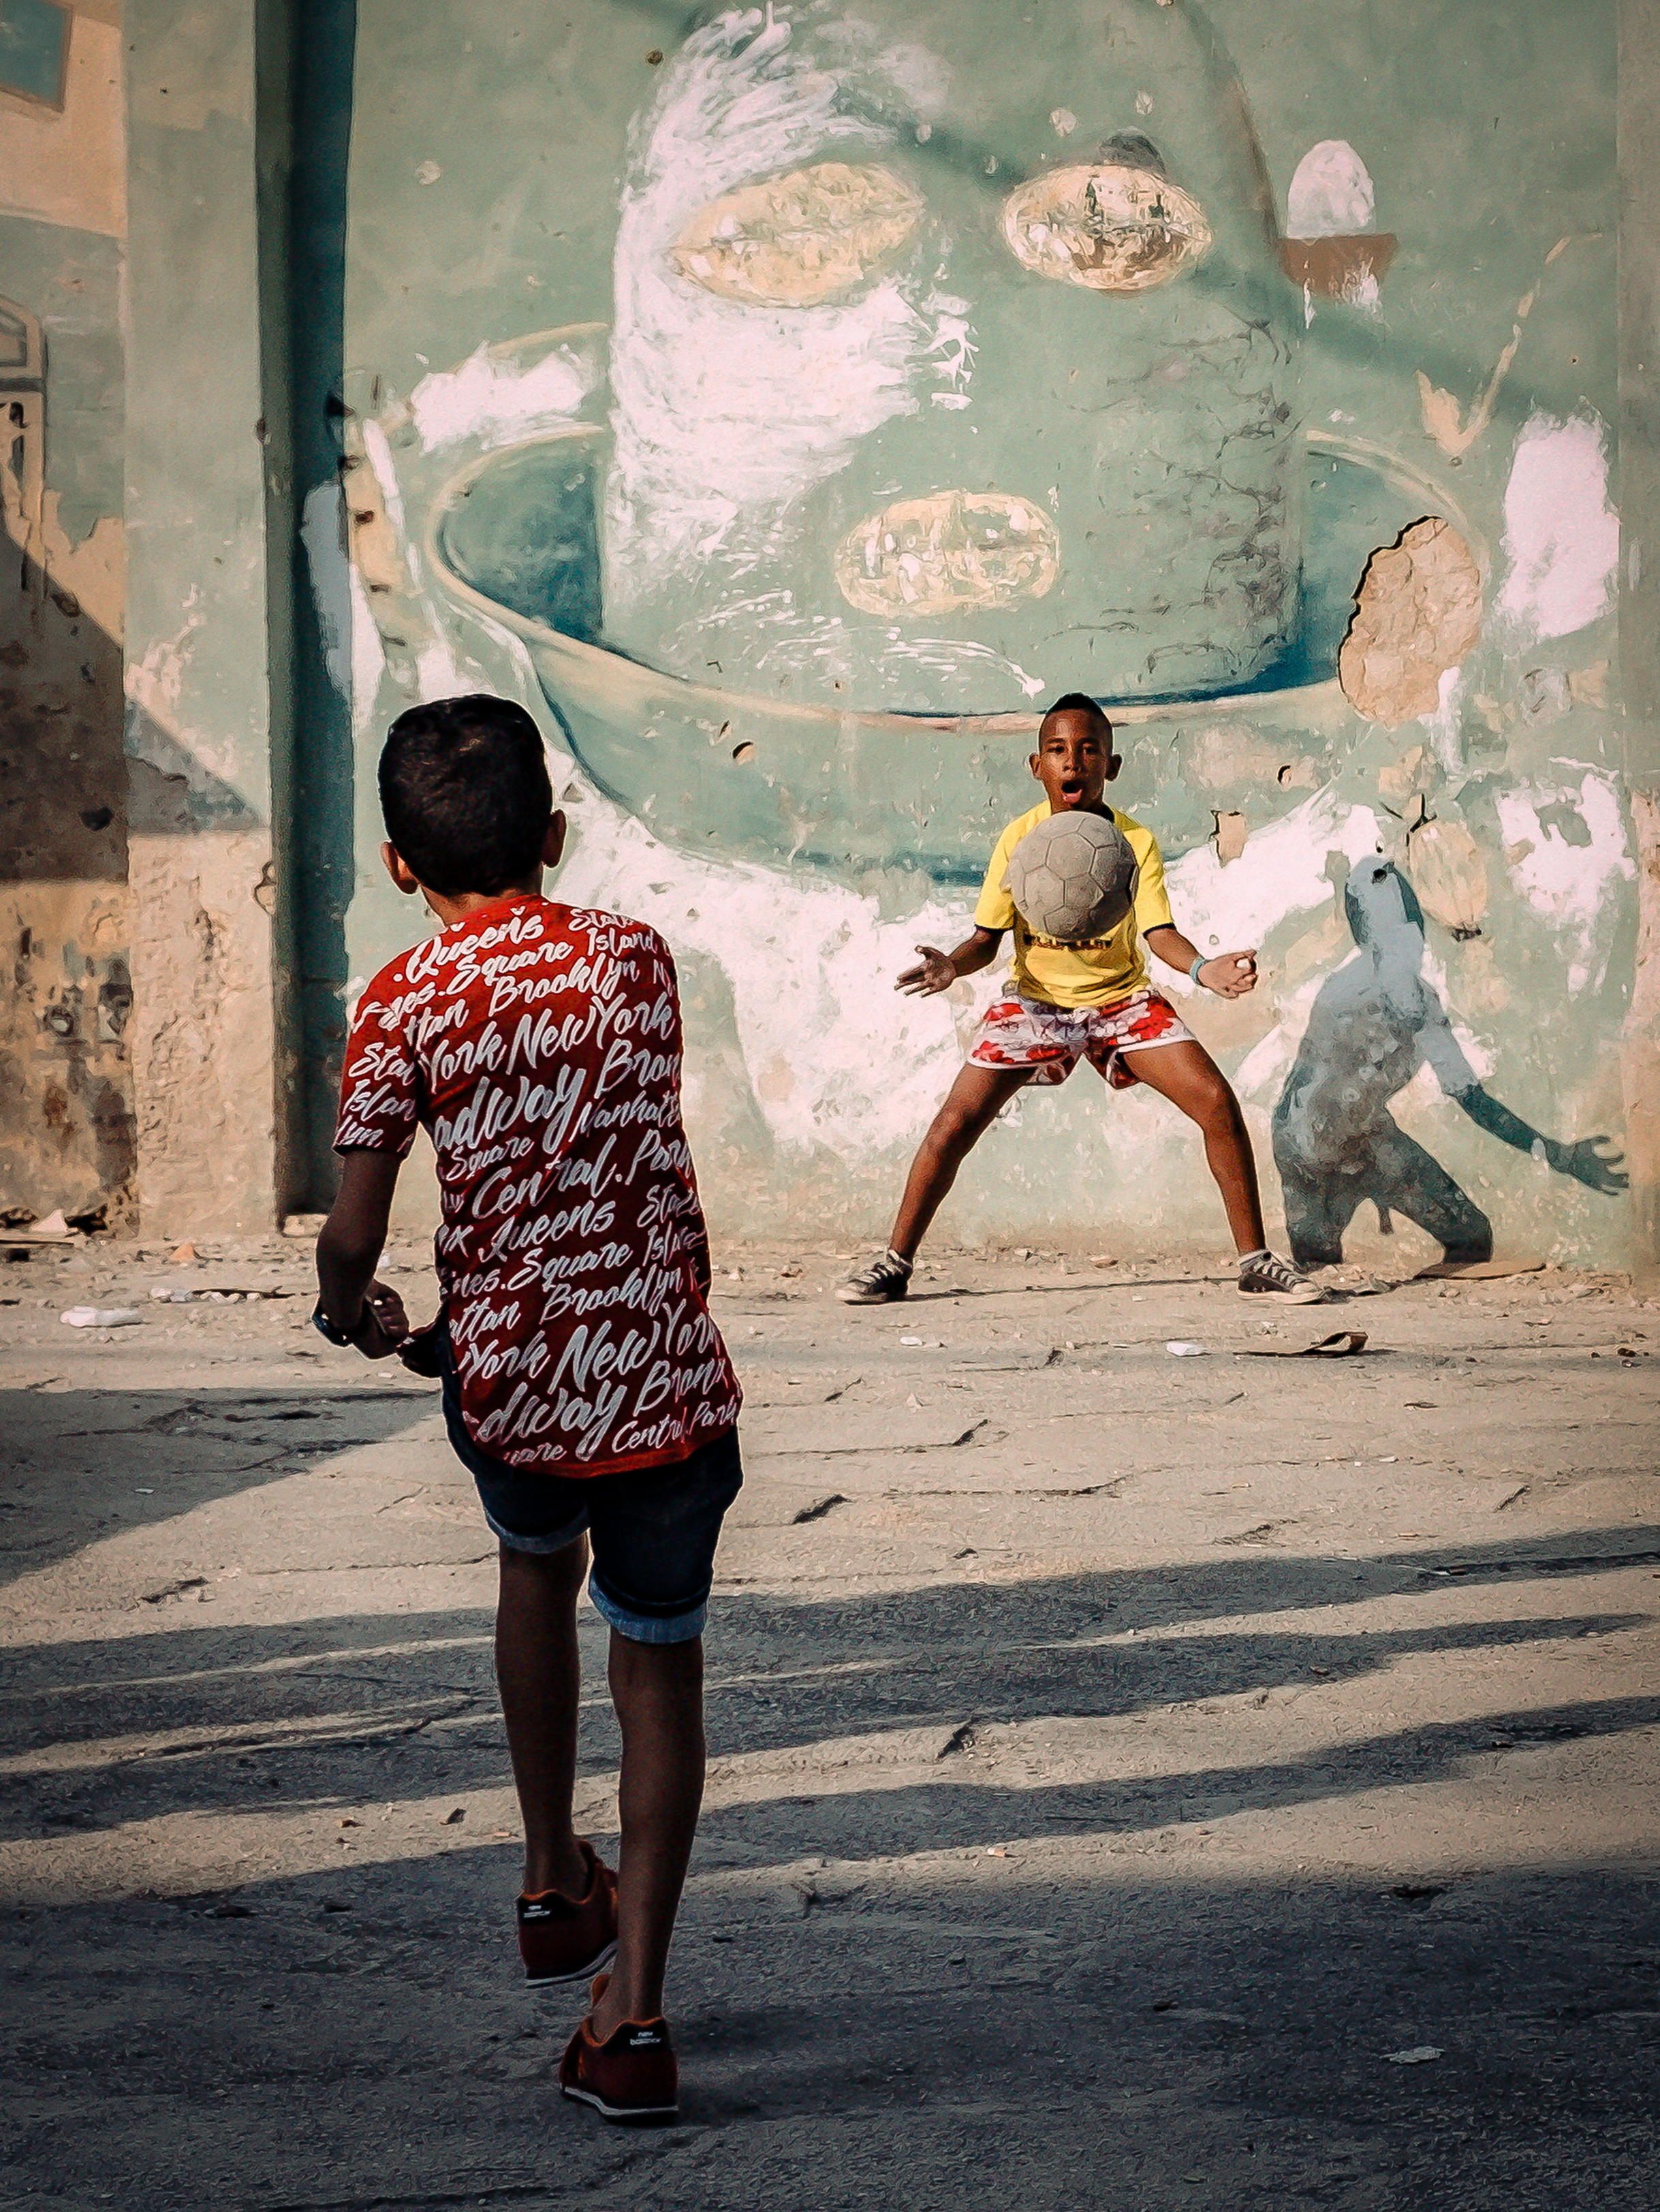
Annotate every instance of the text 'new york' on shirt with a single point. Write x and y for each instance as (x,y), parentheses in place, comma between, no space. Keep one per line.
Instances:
(539,1047)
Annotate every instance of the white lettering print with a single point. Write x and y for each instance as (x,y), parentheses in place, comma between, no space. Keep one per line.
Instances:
(542,1053)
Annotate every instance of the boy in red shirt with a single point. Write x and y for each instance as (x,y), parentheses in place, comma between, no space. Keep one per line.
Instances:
(585,1387)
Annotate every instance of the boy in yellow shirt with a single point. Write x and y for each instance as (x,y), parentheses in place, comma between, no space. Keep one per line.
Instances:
(1093,1001)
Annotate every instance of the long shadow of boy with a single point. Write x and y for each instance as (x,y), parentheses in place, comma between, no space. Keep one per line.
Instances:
(1375,1022)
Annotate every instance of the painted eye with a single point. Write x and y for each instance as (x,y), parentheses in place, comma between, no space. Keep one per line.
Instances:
(1106,225)
(796,240)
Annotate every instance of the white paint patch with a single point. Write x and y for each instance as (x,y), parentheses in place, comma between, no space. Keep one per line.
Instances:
(1561,533)
(1445,725)
(352,651)
(811,967)
(946,656)
(1331,194)
(1571,884)
(722,414)
(493,401)
(1281,872)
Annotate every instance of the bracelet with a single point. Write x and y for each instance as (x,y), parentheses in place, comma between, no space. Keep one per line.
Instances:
(1193,972)
(325,1328)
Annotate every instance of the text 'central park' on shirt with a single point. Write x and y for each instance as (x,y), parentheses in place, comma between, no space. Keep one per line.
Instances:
(539,1047)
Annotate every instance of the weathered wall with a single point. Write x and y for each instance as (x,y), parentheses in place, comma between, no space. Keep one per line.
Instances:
(647,338)
(1639,585)
(136,690)
(199,678)
(553,396)
(66,1090)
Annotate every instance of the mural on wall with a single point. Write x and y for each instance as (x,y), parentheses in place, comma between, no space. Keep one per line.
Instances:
(1375,1023)
(931,367)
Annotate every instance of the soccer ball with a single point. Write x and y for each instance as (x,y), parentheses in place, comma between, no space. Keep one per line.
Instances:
(1073,878)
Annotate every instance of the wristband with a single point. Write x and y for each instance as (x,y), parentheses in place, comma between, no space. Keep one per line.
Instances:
(325,1327)
(1193,972)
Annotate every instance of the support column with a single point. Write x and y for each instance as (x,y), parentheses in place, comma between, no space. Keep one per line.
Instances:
(1640,589)
(199,677)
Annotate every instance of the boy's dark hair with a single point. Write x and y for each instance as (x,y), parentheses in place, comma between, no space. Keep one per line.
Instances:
(1077,702)
(464,793)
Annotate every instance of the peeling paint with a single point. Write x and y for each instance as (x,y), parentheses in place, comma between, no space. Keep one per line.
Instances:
(1561,533)
(1568,877)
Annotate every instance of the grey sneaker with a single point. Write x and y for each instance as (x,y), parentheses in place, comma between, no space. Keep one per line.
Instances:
(1262,1276)
(886,1279)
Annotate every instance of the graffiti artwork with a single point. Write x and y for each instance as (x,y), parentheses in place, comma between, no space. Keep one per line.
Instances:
(847,382)
(929,392)
(1376,1022)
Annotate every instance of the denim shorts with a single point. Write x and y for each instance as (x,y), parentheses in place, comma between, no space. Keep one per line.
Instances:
(653,1529)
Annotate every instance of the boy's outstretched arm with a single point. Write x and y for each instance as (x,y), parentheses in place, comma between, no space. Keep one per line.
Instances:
(1229,974)
(349,1249)
(937,971)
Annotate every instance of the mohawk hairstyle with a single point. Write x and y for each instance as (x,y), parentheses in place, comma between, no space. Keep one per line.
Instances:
(1077,702)
(464,793)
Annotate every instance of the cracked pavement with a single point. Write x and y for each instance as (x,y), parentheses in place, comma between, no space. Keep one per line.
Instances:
(1124,1765)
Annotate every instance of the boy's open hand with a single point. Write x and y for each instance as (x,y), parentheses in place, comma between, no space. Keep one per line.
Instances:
(1231,974)
(933,973)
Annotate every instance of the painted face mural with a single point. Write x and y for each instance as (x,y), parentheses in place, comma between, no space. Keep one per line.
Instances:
(938,384)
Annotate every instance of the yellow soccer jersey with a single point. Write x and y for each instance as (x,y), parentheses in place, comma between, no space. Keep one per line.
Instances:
(1095,974)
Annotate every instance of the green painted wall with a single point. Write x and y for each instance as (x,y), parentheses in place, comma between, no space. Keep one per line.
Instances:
(490,156)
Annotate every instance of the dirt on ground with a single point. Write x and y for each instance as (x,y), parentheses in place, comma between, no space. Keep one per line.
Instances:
(1147,1769)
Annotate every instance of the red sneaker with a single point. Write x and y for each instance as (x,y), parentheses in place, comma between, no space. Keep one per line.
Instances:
(562,1939)
(631,2076)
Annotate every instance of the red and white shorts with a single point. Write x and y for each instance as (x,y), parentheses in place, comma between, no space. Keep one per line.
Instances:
(1052,1040)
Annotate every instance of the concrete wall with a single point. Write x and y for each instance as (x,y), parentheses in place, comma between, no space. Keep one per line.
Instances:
(67,1132)
(623,480)
(573,399)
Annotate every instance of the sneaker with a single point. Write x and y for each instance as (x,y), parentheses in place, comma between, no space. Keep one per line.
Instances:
(630,2077)
(1262,1276)
(562,1939)
(885,1279)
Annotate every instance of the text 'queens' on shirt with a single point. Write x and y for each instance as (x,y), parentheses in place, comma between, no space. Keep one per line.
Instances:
(539,1047)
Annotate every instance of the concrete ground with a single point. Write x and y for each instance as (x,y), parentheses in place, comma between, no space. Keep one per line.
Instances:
(1139,1780)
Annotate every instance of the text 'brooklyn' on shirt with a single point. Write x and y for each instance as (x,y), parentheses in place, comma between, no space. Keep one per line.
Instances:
(539,1047)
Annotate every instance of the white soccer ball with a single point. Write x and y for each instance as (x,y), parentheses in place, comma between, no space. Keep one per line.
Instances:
(1073,878)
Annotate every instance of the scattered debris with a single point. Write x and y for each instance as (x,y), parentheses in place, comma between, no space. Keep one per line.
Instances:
(1341,1344)
(100,1316)
(1178,1348)
(54,1229)
(1477,1271)
(818,1508)
(185,1256)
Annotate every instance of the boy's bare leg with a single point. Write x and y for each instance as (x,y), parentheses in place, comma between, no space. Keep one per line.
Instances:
(540,1673)
(658,1690)
(972,1104)
(1188,1076)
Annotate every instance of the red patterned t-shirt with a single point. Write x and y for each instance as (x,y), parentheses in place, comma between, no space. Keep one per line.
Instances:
(539,1048)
